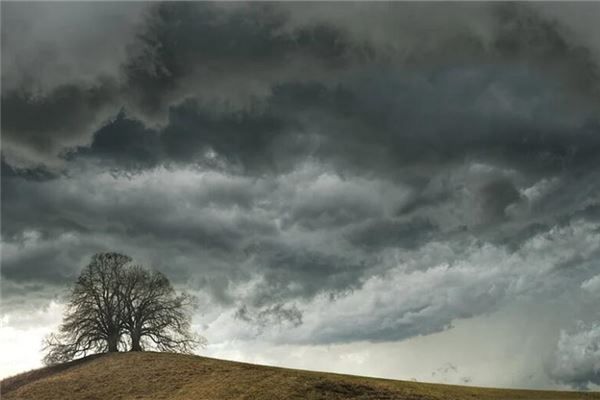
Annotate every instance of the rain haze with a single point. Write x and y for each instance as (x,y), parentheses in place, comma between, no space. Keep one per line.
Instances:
(400,190)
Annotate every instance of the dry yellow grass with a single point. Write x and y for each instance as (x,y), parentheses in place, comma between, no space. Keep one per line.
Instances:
(152,376)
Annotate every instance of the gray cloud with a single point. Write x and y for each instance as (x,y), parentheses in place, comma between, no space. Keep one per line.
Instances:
(577,358)
(209,42)
(59,75)
(273,315)
(164,66)
(392,233)
(170,54)
(36,126)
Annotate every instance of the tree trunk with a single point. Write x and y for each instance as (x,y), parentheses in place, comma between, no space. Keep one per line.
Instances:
(135,344)
(113,344)
(135,340)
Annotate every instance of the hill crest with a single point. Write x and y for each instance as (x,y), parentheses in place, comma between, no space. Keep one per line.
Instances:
(149,375)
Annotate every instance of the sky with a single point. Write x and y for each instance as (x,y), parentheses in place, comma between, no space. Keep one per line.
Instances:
(402,190)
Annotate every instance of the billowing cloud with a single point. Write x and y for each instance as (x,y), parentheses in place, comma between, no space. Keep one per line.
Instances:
(512,67)
(577,359)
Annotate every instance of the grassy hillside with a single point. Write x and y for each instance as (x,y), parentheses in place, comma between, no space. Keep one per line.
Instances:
(171,376)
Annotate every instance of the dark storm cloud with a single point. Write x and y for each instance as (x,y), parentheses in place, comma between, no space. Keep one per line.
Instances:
(242,138)
(274,315)
(380,233)
(34,126)
(375,114)
(386,124)
(125,142)
(181,50)
(375,120)
(285,263)
(207,42)
(72,205)
(591,212)
(59,80)
(73,216)
(523,34)
(46,264)
(175,55)
(219,221)
(515,239)
(39,173)
(496,196)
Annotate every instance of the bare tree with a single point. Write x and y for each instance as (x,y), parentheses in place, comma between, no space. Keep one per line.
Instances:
(113,304)
(155,315)
(93,321)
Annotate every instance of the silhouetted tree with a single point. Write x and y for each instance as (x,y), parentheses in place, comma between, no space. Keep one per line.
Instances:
(93,321)
(113,304)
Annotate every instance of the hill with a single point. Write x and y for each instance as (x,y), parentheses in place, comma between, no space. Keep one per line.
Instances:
(172,376)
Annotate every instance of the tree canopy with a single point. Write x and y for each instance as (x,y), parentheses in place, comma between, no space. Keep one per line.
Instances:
(115,306)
